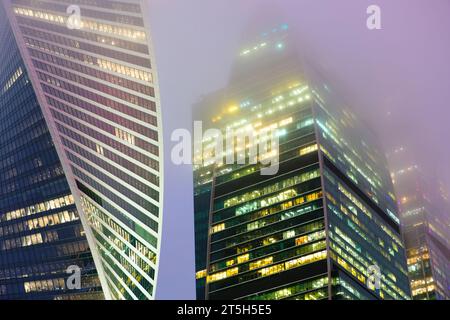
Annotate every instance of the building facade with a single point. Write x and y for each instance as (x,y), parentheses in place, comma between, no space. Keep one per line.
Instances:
(92,67)
(424,214)
(41,235)
(317,228)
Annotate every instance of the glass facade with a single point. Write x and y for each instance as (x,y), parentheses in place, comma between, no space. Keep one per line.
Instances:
(41,235)
(424,216)
(313,230)
(97,84)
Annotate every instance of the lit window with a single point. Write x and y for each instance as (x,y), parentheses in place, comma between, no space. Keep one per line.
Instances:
(308,149)
(200,274)
(218,228)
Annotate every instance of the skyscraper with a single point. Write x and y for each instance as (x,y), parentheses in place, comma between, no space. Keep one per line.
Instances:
(93,71)
(41,235)
(325,226)
(424,213)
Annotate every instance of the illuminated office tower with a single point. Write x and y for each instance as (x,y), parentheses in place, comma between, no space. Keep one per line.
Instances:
(424,214)
(317,228)
(94,76)
(41,235)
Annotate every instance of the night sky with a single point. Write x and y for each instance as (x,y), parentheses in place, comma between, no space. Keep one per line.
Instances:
(398,78)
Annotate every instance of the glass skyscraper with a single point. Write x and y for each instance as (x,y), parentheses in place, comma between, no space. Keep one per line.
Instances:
(424,213)
(92,68)
(320,226)
(41,235)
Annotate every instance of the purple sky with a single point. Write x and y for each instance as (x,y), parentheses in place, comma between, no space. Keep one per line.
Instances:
(403,69)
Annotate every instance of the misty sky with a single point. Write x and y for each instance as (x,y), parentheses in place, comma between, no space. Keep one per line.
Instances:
(398,78)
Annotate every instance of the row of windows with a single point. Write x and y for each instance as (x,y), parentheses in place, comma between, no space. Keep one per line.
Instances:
(284,184)
(88,13)
(138,61)
(38,208)
(87,59)
(127,71)
(36,178)
(292,290)
(118,7)
(262,264)
(140,115)
(267,221)
(111,129)
(37,131)
(125,83)
(269,201)
(146,146)
(234,220)
(35,268)
(119,173)
(30,240)
(33,193)
(270,243)
(56,252)
(265,272)
(90,25)
(57,284)
(234,240)
(13,180)
(49,220)
(107,4)
(130,98)
(15,76)
(257,254)
(118,147)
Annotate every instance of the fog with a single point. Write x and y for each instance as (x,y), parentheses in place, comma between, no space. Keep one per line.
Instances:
(397,78)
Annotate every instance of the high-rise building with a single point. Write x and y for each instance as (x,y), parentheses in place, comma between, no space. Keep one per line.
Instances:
(92,68)
(41,235)
(325,226)
(425,217)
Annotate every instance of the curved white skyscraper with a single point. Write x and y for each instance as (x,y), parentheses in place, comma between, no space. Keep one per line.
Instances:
(91,64)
